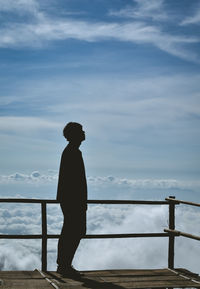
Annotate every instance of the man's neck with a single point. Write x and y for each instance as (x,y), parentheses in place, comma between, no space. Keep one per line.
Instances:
(74,145)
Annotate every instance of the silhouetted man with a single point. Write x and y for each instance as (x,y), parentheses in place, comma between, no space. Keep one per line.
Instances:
(72,195)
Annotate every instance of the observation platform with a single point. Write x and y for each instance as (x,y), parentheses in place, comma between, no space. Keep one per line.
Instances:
(103,279)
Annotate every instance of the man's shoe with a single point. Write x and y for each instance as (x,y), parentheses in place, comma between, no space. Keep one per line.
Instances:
(61,270)
(69,272)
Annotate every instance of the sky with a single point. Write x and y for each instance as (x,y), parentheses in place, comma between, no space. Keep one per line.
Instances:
(128,71)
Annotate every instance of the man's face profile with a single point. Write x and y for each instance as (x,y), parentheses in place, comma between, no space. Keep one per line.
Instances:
(79,134)
(82,134)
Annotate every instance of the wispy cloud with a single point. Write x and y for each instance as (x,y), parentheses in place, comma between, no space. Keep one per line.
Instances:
(19,6)
(137,103)
(143,9)
(194,19)
(126,105)
(19,256)
(45,29)
(108,182)
(34,177)
(21,9)
(26,124)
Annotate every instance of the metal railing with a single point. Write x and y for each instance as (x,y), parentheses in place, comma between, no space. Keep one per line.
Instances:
(171,233)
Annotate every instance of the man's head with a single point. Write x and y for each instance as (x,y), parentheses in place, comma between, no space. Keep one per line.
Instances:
(73,132)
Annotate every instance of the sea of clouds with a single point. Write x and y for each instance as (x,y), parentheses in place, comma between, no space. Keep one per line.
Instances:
(101,219)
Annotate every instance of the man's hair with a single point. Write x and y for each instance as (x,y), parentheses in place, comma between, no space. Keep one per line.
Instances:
(71,129)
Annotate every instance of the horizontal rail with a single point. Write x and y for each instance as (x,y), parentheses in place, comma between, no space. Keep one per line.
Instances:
(182,202)
(21,236)
(179,233)
(137,202)
(115,236)
(51,201)
(89,236)
(12,200)
(136,235)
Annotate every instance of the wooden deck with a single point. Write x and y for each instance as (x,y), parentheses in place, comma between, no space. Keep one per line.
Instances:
(104,279)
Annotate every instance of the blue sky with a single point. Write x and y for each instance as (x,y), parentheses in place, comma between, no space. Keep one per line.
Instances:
(129,71)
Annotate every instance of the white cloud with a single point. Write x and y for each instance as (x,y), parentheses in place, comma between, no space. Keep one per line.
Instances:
(49,30)
(108,182)
(26,124)
(23,8)
(34,177)
(19,5)
(194,19)
(156,99)
(17,256)
(46,29)
(143,9)
(139,101)
(142,183)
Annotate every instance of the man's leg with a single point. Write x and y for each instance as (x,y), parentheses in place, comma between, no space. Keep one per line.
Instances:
(66,250)
(61,261)
(74,228)
(72,231)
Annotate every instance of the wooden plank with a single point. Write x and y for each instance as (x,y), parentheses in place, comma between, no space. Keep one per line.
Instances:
(189,236)
(89,236)
(136,235)
(28,201)
(121,279)
(21,236)
(126,202)
(107,279)
(179,233)
(171,236)
(44,236)
(119,202)
(26,284)
(171,284)
(143,272)
(19,274)
(147,279)
(105,236)
(23,279)
(98,273)
(183,202)
(186,272)
(139,278)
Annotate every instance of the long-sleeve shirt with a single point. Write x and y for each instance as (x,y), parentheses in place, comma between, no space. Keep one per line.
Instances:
(72,185)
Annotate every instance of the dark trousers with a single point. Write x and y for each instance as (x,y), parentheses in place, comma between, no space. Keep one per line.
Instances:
(73,230)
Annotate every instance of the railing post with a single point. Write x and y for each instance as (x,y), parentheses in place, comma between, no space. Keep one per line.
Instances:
(171,236)
(44,235)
